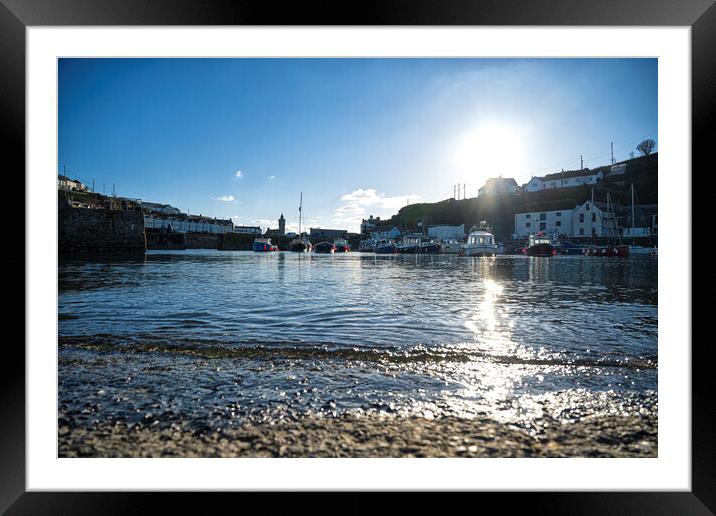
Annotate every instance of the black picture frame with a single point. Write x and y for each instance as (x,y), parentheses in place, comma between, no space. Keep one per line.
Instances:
(700,15)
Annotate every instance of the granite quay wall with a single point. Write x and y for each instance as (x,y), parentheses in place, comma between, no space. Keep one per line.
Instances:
(165,241)
(83,230)
(201,240)
(235,242)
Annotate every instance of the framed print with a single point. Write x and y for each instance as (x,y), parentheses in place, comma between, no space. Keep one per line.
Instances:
(417,249)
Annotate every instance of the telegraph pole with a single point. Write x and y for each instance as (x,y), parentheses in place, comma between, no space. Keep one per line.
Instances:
(612,153)
(581,162)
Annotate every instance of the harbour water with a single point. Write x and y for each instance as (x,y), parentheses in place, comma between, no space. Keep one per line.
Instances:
(207,340)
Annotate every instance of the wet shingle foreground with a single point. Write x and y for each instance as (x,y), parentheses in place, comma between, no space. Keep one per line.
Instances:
(371,436)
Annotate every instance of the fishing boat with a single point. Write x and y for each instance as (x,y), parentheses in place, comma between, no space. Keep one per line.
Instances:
(325,247)
(429,247)
(264,245)
(479,243)
(341,245)
(300,244)
(567,247)
(539,245)
(385,247)
(450,247)
(409,244)
(366,246)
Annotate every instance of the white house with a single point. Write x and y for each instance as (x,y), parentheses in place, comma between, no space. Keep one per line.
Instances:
(592,219)
(617,170)
(447,232)
(65,183)
(498,186)
(247,230)
(556,222)
(564,180)
(587,220)
(161,208)
(184,224)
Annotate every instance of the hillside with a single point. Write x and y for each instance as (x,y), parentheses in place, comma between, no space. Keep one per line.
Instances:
(499,211)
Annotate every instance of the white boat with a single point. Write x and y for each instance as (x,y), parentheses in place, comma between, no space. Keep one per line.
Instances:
(479,243)
(450,247)
(638,249)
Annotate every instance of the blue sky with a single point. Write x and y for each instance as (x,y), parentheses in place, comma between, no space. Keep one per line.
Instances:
(242,138)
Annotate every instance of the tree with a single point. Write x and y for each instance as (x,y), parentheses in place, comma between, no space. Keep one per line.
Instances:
(646,147)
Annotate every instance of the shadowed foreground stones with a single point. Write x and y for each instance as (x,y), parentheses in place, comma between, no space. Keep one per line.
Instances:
(371,436)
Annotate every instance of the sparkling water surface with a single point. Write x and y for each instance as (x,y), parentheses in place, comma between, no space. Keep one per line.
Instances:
(213,338)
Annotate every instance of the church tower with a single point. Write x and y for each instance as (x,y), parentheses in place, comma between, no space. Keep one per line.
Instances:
(281,225)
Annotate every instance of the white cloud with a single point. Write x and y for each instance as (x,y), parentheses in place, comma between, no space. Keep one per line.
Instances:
(362,202)
(225,198)
(239,173)
(271,177)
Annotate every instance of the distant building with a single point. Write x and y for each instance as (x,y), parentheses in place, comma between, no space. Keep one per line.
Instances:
(161,208)
(617,170)
(369,224)
(566,179)
(586,220)
(550,222)
(281,225)
(327,234)
(385,231)
(447,232)
(499,186)
(247,230)
(65,183)
(183,223)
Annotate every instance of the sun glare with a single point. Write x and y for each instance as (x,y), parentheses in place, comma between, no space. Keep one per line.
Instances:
(489,150)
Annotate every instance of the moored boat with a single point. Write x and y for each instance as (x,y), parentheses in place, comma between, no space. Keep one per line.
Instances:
(450,247)
(385,247)
(341,245)
(264,245)
(429,247)
(539,245)
(479,243)
(325,247)
(300,244)
(409,244)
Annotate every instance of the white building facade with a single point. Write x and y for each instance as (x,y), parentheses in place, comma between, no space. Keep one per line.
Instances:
(557,222)
(564,180)
(587,220)
(498,186)
(187,224)
(447,232)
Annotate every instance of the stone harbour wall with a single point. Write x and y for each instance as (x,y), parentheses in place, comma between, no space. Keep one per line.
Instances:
(82,230)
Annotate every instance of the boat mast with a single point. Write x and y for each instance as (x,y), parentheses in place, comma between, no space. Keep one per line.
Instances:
(632,205)
(300,209)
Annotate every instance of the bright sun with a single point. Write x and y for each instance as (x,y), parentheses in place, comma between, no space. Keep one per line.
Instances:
(490,150)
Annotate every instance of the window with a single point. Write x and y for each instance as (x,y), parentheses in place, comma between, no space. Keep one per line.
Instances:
(528,216)
(581,231)
(527,224)
(558,223)
(594,217)
(542,226)
(587,208)
(581,217)
(543,216)
(558,214)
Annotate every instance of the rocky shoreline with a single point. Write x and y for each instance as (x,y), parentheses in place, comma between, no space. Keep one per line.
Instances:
(370,436)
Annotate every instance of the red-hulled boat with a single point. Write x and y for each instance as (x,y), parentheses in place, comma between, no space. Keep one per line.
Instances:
(539,245)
